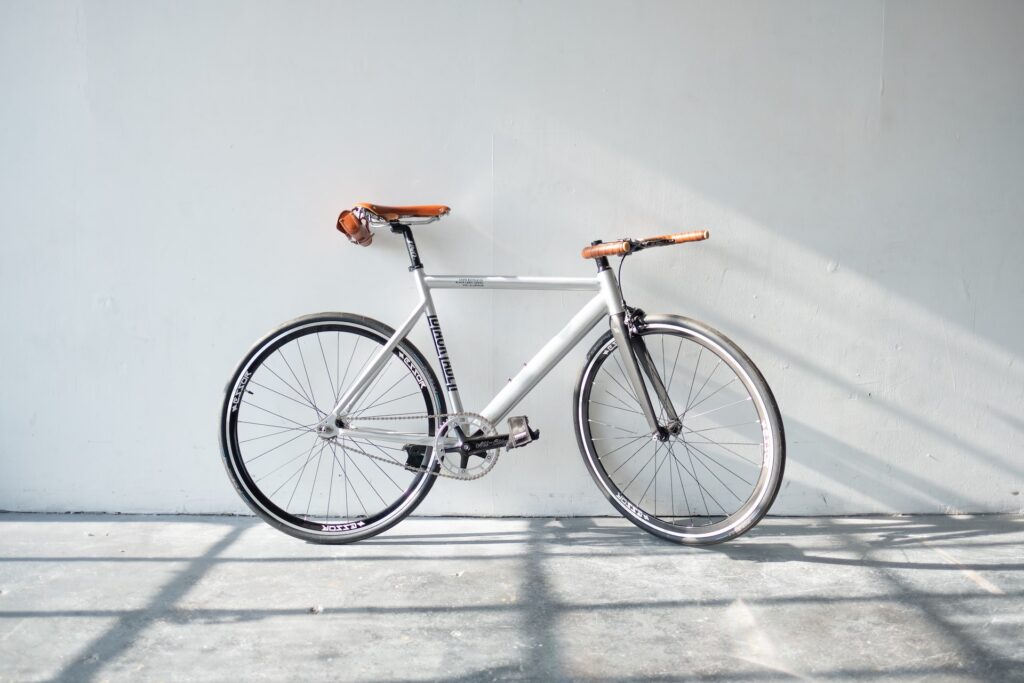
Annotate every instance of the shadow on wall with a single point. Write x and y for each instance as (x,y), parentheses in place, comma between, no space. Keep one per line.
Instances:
(864,225)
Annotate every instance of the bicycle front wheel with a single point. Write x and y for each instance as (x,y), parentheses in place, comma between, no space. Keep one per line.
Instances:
(719,474)
(315,486)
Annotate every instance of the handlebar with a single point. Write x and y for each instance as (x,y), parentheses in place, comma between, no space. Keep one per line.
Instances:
(627,246)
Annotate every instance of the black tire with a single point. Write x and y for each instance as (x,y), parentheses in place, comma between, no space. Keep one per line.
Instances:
(297,406)
(683,522)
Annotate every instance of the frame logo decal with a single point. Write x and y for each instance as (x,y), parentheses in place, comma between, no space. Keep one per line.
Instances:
(442,352)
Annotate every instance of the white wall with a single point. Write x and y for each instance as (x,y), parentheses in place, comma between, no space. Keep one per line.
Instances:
(170,173)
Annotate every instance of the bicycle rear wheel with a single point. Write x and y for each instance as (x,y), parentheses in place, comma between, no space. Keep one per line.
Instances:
(327,490)
(715,478)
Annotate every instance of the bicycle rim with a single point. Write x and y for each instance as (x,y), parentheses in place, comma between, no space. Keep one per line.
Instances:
(317,488)
(714,479)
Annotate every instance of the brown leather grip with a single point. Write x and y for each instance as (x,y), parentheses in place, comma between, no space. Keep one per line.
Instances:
(356,230)
(607,249)
(680,237)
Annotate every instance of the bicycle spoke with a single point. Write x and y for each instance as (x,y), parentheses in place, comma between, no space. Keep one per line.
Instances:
(365,478)
(330,488)
(253,405)
(711,429)
(663,358)
(605,424)
(628,459)
(305,399)
(302,388)
(691,448)
(305,370)
(694,447)
(370,443)
(326,369)
(307,428)
(373,385)
(616,397)
(722,445)
(257,457)
(253,382)
(350,485)
(312,487)
(715,410)
(700,487)
(653,478)
(628,410)
(620,447)
(390,448)
(382,395)
(726,443)
(706,380)
(309,456)
(679,477)
(348,366)
(392,400)
(257,438)
(671,489)
(624,379)
(679,348)
(704,400)
(642,468)
(301,453)
(693,380)
(384,472)
(299,480)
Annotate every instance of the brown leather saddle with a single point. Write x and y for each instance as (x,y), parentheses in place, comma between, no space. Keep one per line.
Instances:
(355,223)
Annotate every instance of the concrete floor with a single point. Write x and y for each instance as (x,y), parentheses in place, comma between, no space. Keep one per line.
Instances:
(129,598)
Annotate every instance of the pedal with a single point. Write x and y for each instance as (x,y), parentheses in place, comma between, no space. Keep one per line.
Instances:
(519,432)
(414,455)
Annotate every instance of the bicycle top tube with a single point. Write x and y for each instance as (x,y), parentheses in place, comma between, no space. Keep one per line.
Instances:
(589,284)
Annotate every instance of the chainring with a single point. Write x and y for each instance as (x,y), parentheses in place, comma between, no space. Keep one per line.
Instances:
(471,424)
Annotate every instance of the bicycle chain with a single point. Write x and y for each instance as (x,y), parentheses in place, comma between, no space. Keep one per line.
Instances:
(407,416)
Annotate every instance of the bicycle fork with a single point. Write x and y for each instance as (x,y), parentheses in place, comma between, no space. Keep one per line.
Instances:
(636,359)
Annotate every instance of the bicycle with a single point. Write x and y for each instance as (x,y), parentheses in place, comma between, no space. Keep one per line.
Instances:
(334,426)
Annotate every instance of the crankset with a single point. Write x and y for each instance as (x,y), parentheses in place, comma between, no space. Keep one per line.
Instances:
(476,446)
(467,444)
(477,443)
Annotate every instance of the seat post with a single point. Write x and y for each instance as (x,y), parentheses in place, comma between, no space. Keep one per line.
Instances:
(410,244)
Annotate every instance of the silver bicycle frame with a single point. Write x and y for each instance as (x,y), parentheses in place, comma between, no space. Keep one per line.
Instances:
(607,302)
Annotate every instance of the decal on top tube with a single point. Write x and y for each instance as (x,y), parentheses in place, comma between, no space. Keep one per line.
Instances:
(442,353)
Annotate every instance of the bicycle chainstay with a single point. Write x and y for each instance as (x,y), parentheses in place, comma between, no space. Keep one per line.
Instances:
(443,417)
